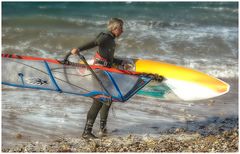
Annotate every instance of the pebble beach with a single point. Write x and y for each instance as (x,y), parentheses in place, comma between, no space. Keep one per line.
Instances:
(219,137)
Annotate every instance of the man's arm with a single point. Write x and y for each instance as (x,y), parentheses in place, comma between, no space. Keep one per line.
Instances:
(89,45)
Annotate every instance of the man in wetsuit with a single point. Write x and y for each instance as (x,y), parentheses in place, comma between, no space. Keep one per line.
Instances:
(105,57)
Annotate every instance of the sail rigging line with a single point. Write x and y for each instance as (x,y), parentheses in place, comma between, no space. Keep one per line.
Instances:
(54,70)
(93,73)
(67,62)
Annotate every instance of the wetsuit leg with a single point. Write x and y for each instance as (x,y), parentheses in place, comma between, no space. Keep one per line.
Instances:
(93,111)
(104,111)
(103,118)
(91,117)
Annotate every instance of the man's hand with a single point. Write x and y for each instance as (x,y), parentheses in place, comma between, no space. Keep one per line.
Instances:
(74,51)
(127,65)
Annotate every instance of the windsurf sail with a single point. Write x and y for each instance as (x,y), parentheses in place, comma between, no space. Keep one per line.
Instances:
(50,74)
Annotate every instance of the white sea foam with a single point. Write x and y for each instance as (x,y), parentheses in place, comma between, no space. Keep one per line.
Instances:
(217,9)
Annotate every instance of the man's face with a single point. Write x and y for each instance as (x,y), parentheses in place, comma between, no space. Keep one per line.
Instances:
(118,31)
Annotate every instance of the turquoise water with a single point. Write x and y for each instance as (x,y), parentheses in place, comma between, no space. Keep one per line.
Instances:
(215,13)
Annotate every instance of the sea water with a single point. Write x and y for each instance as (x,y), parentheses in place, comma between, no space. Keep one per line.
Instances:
(198,35)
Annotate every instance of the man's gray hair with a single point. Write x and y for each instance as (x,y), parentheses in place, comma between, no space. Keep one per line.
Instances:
(114,23)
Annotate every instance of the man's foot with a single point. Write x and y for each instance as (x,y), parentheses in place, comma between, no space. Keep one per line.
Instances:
(88,135)
(103,132)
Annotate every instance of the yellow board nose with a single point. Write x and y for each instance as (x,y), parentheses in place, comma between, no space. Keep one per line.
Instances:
(181,73)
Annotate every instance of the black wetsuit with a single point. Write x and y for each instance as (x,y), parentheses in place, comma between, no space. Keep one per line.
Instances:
(106,48)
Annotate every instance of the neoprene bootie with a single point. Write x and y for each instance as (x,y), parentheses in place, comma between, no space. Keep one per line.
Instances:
(87,133)
(103,129)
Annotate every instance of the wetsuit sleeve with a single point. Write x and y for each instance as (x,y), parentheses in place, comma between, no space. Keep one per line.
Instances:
(87,46)
(96,42)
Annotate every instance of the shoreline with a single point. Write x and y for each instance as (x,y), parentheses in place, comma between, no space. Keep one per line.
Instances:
(222,137)
(180,142)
